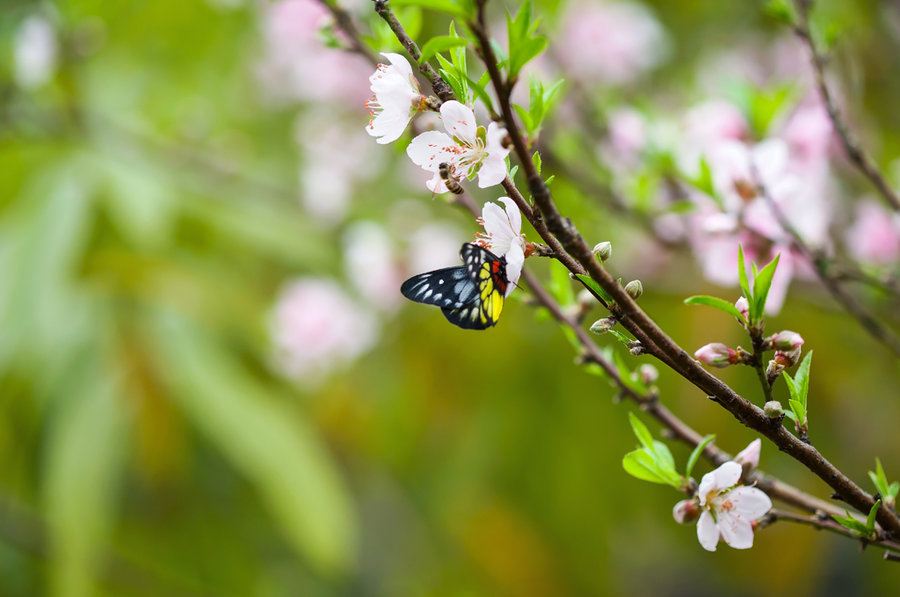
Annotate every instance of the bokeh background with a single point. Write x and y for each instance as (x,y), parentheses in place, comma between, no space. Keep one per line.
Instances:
(209,384)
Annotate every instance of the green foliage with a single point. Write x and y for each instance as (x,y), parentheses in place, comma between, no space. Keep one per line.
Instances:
(887,490)
(864,530)
(652,461)
(695,455)
(716,303)
(453,71)
(762,282)
(798,386)
(561,284)
(541,101)
(524,44)
(459,9)
(590,283)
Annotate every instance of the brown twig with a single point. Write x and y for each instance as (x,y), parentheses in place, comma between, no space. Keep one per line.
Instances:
(344,22)
(853,148)
(440,87)
(823,523)
(633,318)
(831,284)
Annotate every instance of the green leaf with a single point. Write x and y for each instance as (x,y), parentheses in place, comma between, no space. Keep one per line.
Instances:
(536,159)
(561,284)
(440,44)
(591,284)
(799,410)
(663,456)
(695,454)
(716,303)
(742,277)
(640,464)
(264,439)
(525,116)
(761,284)
(801,377)
(620,337)
(84,463)
(641,431)
(852,524)
(870,519)
(793,388)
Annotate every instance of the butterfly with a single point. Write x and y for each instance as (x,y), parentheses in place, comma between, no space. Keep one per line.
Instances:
(470,295)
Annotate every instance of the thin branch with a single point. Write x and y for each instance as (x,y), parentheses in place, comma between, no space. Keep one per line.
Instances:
(344,22)
(853,148)
(440,87)
(633,318)
(823,523)
(850,305)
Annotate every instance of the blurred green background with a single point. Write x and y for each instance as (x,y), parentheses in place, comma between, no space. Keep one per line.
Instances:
(158,192)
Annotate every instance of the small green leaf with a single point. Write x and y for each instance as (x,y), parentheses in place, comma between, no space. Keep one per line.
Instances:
(536,159)
(695,454)
(620,337)
(440,44)
(761,285)
(715,303)
(640,464)
(799,410)
(801,377)
(742,277)
(870,519)
(641,431)
(664,456)
(591,284)
(561,284)
(852,524)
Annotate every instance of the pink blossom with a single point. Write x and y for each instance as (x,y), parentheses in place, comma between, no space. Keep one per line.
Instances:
(750,455)
(716,354)
(714,120)
(613,42)
(627,136)
(296,65)
(35,52)
(371,266)
(874,236)
(728,511)
(316,328)
(809,133)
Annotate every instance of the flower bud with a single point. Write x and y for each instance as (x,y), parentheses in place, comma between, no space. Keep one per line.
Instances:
(773,370)
(787,358)
(749,456)
(743,306)
(889,501)
(636,348)
(716,354)
(603,250)
(648,374)
(601,326)
(634,289)
(686,511)
(785,340)
(773,409)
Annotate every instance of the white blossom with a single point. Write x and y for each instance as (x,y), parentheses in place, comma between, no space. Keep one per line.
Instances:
(503,236)
(728,511)
(469,149)
(396,98)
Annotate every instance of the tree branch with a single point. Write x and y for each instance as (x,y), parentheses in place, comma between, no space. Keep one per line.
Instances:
(852,147)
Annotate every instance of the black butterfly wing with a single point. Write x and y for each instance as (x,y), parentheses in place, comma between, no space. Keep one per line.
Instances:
(448,288)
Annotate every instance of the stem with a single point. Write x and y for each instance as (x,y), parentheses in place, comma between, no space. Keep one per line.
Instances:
(635,320)
(756,337)
(852,147)
(826,524)
(440,87)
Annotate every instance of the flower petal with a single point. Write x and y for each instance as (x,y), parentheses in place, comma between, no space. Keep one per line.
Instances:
(400,63)
(722,478)
(707,531)
(515,259)
(429,149)
(750,454)
(749,502)
(459,120)
(496,225)
(514,215)
(737,532)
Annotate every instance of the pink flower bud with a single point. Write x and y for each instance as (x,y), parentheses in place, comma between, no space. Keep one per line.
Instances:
(786,358)
(648,374)
(773,409)
(786,340)
(743,306)
(716,354)
(686,511)
(749,456)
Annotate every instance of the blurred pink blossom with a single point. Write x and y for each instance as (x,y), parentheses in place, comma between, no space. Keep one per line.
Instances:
(34,52)
(295,64)
(434,245)
(316,328)
(611,42)
(371,265)
(874,236)
(809,133)
(333,161)
(714,120)
(627,137)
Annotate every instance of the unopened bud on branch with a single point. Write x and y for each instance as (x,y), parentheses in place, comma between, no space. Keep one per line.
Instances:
(634,289)
(743,306)
(603,250)
(716,354)
(785,340)
(686,511)
(773,409)
(601,326)
(648,374)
